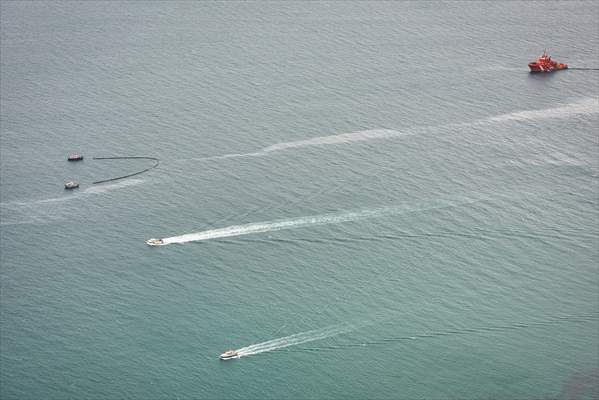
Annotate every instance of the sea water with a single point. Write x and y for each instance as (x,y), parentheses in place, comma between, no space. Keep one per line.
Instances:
(368,200)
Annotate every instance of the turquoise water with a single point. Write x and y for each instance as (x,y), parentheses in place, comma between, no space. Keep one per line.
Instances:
(380,188)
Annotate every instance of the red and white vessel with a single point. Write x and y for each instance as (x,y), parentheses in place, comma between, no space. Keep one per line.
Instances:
(545,64)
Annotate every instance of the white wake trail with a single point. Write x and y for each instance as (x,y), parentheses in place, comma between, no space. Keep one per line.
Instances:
(52,209)
(359,136)
(77,194)
(341,138)
(113,186)
(292,340)
(260,227)
(325,219)
(580,107)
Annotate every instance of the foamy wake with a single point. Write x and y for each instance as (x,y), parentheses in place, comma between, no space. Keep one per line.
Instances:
(581,107)
(113,186)
(45,210)
(359,136)
(586,106)
(294,223)
(298,338)
(78,193)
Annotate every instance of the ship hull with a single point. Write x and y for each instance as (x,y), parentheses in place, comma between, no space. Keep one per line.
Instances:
(536,67)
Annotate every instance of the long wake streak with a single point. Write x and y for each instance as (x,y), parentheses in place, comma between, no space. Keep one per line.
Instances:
(292,340)
(480,330)
(326,219)
(581,107)
(47,210)
(260,227)
(359,136)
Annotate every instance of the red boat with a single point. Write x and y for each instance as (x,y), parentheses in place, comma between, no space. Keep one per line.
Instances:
(545,64)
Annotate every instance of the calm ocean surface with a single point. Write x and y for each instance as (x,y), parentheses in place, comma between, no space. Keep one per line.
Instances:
(378,200)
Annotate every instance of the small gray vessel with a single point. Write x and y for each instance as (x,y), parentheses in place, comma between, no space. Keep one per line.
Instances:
(71,185)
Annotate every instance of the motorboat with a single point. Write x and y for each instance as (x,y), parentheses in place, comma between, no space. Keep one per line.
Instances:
(155,242)
(229,354)
(75,157)
(71,185)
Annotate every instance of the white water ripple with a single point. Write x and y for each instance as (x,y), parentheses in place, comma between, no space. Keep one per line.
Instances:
(48,210)
(579,107)
(359,136)
(300,222)
(292,340)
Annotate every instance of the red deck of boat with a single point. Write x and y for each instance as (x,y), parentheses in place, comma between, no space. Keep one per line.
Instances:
(545,64)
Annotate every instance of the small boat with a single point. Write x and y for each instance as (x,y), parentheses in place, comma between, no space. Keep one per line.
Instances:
(229,354)
(154,242)
(71,185)
(545,64)
(75,157)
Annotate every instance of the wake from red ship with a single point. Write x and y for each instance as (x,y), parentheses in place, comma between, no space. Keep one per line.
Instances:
(581,107)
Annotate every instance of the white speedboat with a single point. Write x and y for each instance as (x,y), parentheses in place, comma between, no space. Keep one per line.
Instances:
(229,354)
(155,242)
